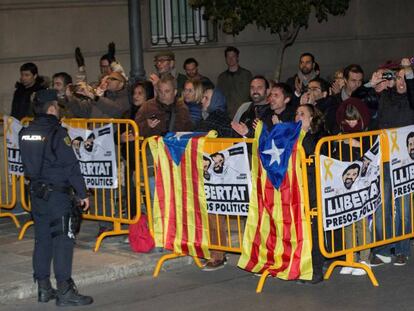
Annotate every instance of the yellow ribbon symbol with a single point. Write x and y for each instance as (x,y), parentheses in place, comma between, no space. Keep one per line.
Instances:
(328,163)
(9,129)
(394,145)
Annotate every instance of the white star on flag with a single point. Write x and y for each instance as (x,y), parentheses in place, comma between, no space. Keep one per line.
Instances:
(274,152)
(179,135)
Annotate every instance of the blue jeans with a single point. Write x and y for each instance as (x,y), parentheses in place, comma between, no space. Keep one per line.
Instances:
(386,210)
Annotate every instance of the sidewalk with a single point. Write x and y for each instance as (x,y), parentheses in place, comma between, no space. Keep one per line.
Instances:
(113,261)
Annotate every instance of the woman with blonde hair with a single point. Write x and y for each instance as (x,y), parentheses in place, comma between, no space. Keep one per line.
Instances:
(192,95)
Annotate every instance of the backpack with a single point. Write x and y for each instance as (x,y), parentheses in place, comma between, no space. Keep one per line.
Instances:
(140,238)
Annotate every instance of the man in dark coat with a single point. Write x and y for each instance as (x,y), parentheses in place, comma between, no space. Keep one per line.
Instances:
(29,83)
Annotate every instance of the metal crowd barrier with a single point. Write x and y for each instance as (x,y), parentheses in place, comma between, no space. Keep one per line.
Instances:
(333,243)
(8,183)
(225,231)
(109,205)
(228,230)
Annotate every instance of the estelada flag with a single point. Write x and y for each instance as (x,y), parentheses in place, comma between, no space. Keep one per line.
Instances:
(276,236)
(179,207)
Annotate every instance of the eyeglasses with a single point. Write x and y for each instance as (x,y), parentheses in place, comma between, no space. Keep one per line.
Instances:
(312,89)
(188,90)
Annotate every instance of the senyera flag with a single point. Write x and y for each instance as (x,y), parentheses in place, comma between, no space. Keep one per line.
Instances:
(179,209)
(276,236)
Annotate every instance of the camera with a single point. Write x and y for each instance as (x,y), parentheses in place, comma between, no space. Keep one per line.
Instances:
(388,75)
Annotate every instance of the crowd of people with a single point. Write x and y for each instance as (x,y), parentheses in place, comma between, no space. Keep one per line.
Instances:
(168,101)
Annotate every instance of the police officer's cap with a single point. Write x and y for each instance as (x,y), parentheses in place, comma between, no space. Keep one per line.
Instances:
(44,96)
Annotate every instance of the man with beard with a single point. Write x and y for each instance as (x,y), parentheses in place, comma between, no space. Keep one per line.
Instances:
(304,75)
(350,175)
(252,111)
(410,145)
(218,159)
(190,67)
(206,166)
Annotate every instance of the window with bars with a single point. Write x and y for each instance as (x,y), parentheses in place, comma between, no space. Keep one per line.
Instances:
(174,22)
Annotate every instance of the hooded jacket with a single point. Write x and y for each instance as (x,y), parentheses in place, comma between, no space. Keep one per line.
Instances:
(216,118)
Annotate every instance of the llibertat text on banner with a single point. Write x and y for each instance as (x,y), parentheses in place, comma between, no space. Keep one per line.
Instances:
(95,150)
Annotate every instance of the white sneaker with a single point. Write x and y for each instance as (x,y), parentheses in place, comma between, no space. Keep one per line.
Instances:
(358,271)
(384,259)
(346,270)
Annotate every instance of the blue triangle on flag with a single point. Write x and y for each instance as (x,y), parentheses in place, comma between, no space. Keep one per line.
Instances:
(275,149)
(177,143)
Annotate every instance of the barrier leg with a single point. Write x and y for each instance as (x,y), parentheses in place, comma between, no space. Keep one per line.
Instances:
(350,263)
(12,216)
(117,230)
(162,260)
(198,262)
(24,229)
(262,280)
(369,272)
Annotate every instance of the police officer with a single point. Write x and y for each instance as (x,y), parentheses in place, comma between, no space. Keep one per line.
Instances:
(53,171)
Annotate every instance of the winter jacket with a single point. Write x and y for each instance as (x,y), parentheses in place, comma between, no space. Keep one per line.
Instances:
(21,104)
(165,113)
(216,117)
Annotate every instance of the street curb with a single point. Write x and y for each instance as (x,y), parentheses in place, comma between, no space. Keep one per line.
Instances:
(112,272)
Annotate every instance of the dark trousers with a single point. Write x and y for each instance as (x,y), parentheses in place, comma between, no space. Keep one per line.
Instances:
(51,240)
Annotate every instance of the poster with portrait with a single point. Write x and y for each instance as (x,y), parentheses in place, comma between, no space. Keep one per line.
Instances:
(12,128)
(227,181)
(401,146)
(95,150)
(350,190)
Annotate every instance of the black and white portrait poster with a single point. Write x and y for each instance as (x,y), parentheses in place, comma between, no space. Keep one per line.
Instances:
(350,190)
(12,128)
(95,150)
(227,181)
(401,146)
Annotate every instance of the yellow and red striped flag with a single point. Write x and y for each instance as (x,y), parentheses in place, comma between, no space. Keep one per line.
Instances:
(179,207)
(276,236)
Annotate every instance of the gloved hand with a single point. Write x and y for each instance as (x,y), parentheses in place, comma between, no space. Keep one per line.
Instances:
(79,57)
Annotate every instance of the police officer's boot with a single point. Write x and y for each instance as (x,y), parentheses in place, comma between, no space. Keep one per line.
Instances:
(67,295)
(45,291)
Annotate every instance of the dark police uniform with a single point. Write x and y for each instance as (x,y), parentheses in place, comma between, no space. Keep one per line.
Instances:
(49,160)
(53,170)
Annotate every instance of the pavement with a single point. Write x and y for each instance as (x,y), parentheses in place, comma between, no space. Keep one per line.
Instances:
(114,260)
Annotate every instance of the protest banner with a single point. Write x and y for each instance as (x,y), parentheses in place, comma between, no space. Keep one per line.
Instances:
(227,181)
(95,150)
(401,146)
(12,128)
(350,190)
